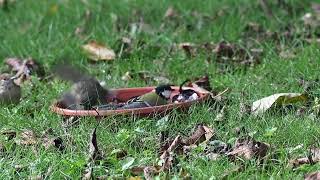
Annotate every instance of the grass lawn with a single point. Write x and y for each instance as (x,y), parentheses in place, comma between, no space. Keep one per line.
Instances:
(45,31)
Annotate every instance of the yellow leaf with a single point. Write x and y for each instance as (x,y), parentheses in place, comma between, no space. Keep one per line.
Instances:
(279,99)
(96,51)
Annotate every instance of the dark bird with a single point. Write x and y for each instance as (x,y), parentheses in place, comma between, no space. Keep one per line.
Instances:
(85,92)
(10,90)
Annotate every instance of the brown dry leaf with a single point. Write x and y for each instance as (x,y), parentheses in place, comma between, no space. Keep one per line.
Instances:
(53,142)
(200,89)
(27,137)
(48,140)
(203,82)
(137,170)
(190,49)
(312,176)
(25,67)
(151,170)
(224,49)
(202,134)
(313,157)
(280,99)
(94,153)
(97,52)
(248,148)
(167,156)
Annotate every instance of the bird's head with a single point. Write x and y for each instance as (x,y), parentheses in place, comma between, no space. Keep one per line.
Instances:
(164,91)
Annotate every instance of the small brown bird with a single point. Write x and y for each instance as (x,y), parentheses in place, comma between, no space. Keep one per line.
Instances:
(85,92)
(10,90)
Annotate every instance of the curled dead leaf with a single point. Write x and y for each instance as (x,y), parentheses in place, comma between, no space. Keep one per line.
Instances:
(312,176)
(313,157)
(94,153)
(248,148)
(97,52)
(167,156)
(201,134)
(203,82)
(189,49)
(25,67)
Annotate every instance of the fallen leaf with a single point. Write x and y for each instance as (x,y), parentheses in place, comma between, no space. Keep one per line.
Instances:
(201,134)
(312,176)
(94,153)
(148,173)
(49,141)
(280,99)
(26,137)
(167,156)
(97,52)
(127,163)
(189,49)
(248,148)
(26,67)
(53,142)
(313,157)
(203,82)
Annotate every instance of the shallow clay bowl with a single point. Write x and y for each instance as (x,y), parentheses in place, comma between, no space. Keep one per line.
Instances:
(123,95)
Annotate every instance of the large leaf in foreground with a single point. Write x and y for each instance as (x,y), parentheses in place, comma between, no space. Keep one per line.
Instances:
(279,99)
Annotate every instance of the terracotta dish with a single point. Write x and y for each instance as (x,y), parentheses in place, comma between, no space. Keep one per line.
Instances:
(124,95)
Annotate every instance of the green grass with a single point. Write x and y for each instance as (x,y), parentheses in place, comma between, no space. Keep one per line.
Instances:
(31,29)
